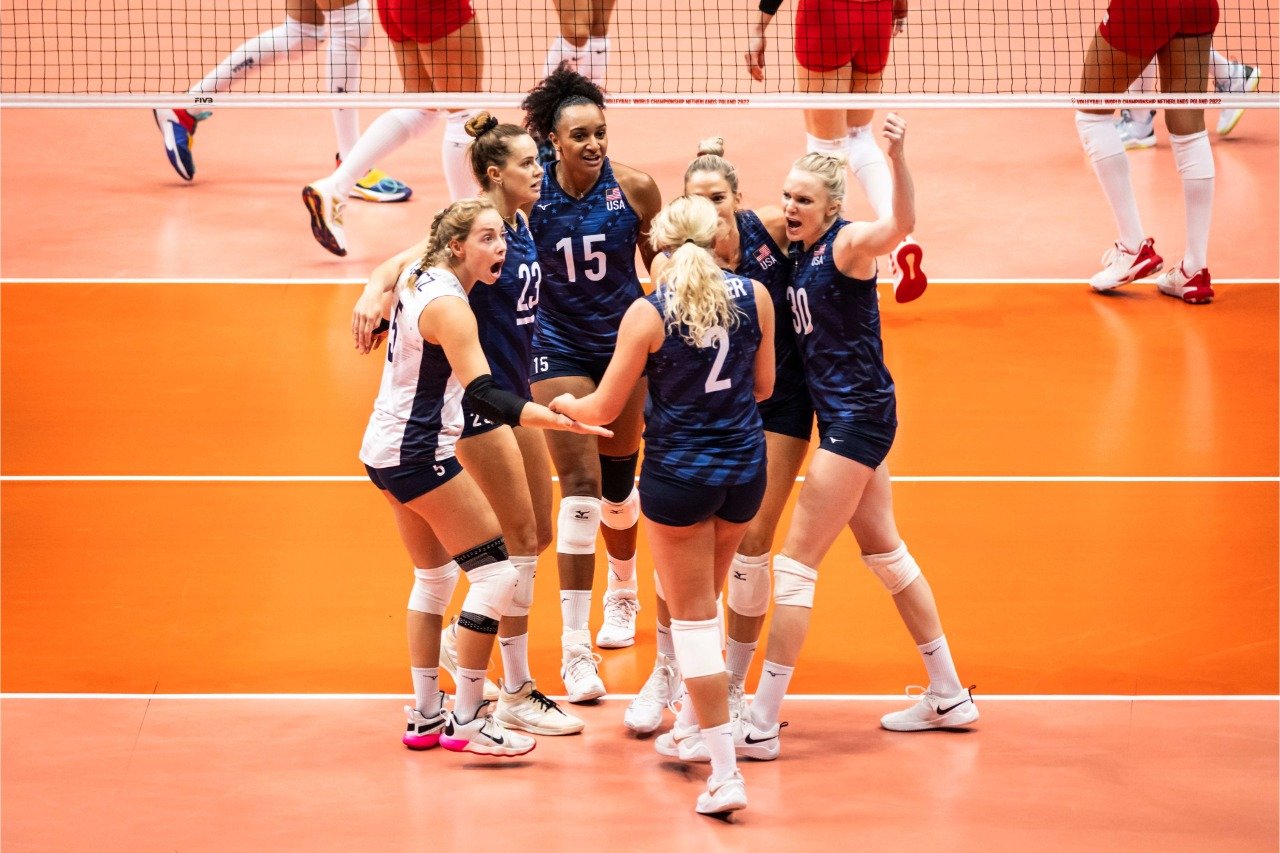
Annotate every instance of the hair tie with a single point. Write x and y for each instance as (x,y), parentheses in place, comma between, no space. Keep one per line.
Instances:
(690,240)
(489,125)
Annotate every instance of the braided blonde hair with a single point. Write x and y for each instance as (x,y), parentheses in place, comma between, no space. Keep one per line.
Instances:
(697,297)
(453,223)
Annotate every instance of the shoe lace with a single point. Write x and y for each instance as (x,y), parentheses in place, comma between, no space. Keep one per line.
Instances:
(915,691)
(620,610)
(736,700)
(583,663)
(658,683)
(542,700)
(1125,115)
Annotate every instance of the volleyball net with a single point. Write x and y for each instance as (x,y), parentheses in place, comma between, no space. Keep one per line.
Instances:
(661,52)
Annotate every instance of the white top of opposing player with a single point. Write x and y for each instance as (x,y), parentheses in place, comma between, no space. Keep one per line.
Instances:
(418,414)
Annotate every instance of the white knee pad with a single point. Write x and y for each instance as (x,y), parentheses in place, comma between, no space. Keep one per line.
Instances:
(793,582)
(491,589)
(749,585)
(657,586)
(697,647)
(522,599)
(621,516)
(1193,155)
(1099,136)
(432,589)
(896,570)
(577,525)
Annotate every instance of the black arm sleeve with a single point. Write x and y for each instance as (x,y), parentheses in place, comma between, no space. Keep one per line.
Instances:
(770,7)
(490,401)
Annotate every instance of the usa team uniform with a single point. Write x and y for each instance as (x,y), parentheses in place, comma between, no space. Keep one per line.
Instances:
(408,446)
(703,437)
(837,322)
(789,411)
(505,318)
(587,250)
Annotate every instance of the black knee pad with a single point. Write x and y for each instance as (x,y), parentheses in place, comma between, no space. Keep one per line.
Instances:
(476,622)
(618,476)
(493,551)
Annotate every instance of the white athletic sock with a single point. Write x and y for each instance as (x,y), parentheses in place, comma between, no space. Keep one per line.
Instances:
(1195,164)
(622,573)
(561,50)
(426,689)
(349,29)
(290,40)
(869,166)
(1102,142)
(593,61)
(346,127)
(575,609)
(453,157)
(666,647)
(826,146)
(515,661)
(686,716)
(387,133)
(737,659)
(942,671)
(767,704)
(724,760)
(470,694)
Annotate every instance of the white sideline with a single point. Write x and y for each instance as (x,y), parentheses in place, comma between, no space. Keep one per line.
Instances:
(803,697)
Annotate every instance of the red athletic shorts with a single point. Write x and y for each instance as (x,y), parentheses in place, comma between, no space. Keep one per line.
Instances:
(1141,27)
(831,34)
(423,21)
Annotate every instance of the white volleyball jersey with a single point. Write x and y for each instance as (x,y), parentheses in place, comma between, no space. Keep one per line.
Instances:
(418,414)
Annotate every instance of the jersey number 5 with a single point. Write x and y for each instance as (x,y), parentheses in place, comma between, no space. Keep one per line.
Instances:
(716,337)
(589,255)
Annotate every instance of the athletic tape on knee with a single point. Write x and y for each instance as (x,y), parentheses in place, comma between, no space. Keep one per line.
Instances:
(491,589)
(618,477)
(432,589)
(1193,156)
(657,586)
(896,569)
(697,647)
(522,598)
(793,582)
(749,585)
(577,525)
(1099,135)
(493,551)
(621,516)
(350,28)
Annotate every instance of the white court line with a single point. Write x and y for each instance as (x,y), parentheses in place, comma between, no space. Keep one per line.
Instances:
(803,697)
(326,282)
(355,478)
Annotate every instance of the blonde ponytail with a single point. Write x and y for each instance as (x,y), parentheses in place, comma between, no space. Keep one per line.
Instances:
(696,295)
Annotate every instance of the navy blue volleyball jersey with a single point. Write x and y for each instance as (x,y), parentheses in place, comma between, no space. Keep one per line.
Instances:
(506,310)
(765,262)
(701,420)
(837,323)
(587,249)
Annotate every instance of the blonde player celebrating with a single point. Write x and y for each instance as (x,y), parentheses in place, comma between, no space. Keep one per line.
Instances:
(750,244)
(433,353)
(703,338)
(843,46)
(836,316)
(344,28)
(509,463)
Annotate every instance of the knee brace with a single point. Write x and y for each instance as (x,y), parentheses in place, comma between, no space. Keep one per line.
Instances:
(657,586)
(749,585)
(493,551)
(1099,136)
(896,570)
(522,599)
(697,647)
(350,28)
(621,516)
(618,477)
(489,596)
(432,589)
(577,524)
(793,582)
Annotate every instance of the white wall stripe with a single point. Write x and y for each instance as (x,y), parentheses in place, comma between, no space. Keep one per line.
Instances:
(325,282)
(626,697)
(356,478)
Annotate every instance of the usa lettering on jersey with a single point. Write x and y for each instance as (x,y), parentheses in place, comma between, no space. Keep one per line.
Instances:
(613,199)
(765,258)
(819,255)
